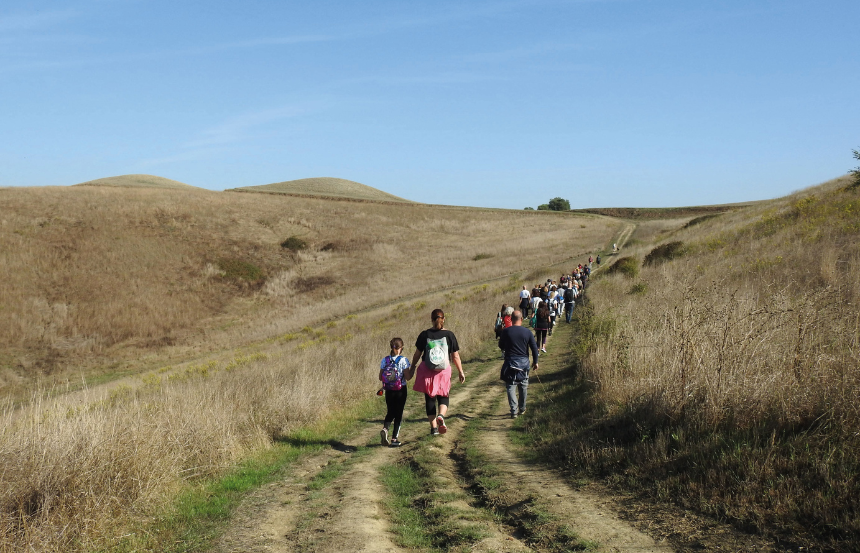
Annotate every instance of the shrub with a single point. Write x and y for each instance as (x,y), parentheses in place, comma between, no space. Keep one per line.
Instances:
(294,243)
(664,252)
(638,288)
(856,172)
(627,266)
(237,269)
(701,219)
(481,256)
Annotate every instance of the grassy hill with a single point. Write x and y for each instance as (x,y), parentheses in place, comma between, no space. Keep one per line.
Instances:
(721,363)
(723,378)
(325,186)
(139,181)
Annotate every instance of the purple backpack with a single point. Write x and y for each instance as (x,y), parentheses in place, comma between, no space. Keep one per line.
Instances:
(392,375)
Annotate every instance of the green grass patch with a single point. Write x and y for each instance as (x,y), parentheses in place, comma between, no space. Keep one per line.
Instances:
(294,244)
(421,511)
(236,269)
(335,469)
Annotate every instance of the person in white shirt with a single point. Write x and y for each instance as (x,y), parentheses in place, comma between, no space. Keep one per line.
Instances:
(525,301)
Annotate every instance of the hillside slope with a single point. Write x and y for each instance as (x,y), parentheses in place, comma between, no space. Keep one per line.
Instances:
(325,186)
(724,367)
(139,181)
(99,275)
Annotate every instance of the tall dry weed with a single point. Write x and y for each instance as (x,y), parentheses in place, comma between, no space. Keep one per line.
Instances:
(738,366)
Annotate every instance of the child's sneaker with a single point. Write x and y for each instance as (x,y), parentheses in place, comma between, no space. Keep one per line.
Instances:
(441,422)
(395,443)
(434,431)
(383,435)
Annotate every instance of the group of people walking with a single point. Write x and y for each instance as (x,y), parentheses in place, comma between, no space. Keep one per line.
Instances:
(546,303)
(437,350)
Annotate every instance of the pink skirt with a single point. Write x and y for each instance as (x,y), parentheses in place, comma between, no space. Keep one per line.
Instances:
(432,383)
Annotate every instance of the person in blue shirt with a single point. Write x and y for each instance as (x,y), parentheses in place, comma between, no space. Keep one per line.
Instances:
(517,341)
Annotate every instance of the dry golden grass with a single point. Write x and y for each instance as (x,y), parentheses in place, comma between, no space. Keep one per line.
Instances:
(739,364)
(244,340)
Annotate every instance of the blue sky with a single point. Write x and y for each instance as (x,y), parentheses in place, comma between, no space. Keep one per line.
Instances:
(499,104)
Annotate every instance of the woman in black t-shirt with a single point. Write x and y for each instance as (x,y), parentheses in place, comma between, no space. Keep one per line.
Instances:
(437,348)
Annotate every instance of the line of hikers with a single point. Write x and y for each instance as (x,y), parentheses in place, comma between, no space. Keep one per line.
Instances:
(437,350)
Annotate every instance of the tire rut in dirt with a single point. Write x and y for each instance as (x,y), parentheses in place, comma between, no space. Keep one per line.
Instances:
(529,490)
(465,526)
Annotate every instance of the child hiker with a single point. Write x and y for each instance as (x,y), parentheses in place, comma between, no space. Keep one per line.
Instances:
(394,371)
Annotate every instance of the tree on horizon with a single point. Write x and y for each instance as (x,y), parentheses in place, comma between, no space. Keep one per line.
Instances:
(555,204)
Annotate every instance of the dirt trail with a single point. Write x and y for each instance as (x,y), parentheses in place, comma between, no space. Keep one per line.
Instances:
(591,514)
(347,515)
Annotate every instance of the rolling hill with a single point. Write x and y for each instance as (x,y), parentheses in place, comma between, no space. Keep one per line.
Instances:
(139,181)
(327,187)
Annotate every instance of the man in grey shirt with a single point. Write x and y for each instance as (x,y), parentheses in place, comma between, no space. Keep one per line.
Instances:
(516,341)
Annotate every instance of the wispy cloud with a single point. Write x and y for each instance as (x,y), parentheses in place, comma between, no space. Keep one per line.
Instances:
(525,51)
(243,126)
(236,130)
(199,50)
(11,23)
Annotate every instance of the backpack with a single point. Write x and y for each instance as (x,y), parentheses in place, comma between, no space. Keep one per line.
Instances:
(437,354)
(568,295)
(392,376)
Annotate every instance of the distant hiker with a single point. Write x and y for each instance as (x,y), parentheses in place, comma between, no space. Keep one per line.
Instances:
(542,325)
(436,347)
(598,260)
(614,247)
(569,301)
(536,301)
(516,342)
(525,298)
(499,326)
(394,371)
(552,305)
